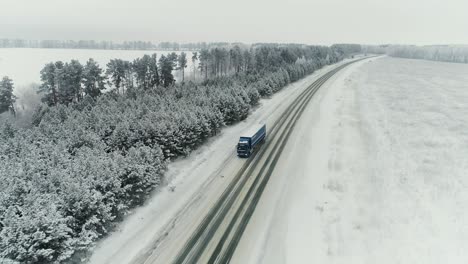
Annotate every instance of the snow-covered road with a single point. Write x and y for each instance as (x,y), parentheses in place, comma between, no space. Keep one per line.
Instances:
(374,172)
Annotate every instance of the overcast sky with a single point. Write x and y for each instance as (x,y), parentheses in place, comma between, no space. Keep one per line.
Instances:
(299,21)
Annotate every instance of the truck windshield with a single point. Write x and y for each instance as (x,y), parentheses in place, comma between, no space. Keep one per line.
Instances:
(242,146)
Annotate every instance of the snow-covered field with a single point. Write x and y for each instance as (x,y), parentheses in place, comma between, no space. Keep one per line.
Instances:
(23,65)
(375,172)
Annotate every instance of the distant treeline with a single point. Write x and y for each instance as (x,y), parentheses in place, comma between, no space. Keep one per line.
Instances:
(447,53)
(90,156)
(67,82)
(374,49)
(109,45)
(141,45)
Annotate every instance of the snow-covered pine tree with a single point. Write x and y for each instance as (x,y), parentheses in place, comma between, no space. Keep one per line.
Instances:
(7,98)
(93,79)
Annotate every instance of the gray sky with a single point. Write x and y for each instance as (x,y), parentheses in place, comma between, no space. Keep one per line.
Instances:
(300,21)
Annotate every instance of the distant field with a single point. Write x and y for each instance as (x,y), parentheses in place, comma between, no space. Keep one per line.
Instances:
(23,65)
(375,174)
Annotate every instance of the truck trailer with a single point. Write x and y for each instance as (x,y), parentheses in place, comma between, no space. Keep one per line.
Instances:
(251,140)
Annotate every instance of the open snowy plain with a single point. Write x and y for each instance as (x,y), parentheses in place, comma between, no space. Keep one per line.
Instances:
(374,172)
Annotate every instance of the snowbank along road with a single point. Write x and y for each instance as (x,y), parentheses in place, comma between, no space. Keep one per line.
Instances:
(201,214)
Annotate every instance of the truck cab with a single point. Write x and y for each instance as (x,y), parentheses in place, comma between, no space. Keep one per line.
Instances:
(243,147)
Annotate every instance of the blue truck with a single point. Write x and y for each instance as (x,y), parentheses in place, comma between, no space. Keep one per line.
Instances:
(251,140)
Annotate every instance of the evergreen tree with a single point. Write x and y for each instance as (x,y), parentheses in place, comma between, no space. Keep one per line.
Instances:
(205,58)
(182,64)
(128,75)
(49,86)
(70,80)
(220,61)
(172,57)
(140,68)
(7,99)
(93,79)
(116,72)
(194,63)
(146,71)
(248,60)
(236,58)
(153,73)
(166,65)
(60,82)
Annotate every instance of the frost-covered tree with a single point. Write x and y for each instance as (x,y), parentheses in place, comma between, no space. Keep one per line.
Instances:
(49,85)
(236,59)
(219,57)
(182,64)
(153,72)
(119,73)
(60,81)
(7,98)
(140,68)
(70,80)
(248,60)
(146,71)
(194,63)
(173,58)
(166,66)
(93,79)
(205,58)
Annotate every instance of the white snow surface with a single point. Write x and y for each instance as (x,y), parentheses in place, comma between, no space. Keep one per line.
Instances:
(374,172)
(194,184)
